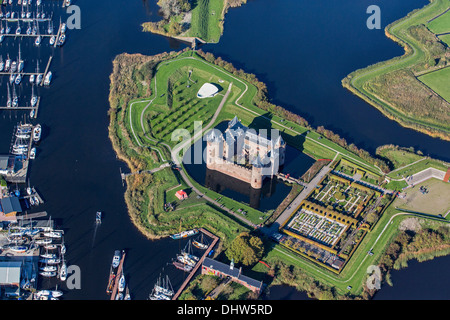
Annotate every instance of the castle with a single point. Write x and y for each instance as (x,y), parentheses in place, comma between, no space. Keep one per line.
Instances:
(244,154)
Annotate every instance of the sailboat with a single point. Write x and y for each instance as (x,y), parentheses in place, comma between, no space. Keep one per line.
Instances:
(9,101)
(164,286)
(38,40)
(33,97)
(63,271)
(20,62)
(15,99)
(200,244)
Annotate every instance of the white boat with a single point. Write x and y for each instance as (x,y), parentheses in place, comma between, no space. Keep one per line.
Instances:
(116,259)
(37,131)
(48,274)
(43,241)
(50,261)
(18,249)
(48,78)
(18,79)
(53,234)
(7,64)
(48,268)
(34,98)
(98,217)
(61,40)
(52,40)
(48,256)
(63,272)
(12,77)
(122,283)
(38,41)
(32,78)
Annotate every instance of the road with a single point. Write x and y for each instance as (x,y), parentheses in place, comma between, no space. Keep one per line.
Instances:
(296,202)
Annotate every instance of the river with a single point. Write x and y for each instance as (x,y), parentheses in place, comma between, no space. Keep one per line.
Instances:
(301,49)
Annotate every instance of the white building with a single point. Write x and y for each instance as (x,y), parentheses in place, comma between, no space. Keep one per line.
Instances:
(208,90)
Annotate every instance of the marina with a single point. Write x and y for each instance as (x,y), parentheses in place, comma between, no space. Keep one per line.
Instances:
(38,250)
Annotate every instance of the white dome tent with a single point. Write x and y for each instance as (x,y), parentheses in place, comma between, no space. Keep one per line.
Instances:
(208,90)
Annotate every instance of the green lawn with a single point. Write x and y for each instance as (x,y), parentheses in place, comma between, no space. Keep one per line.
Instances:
(441,24)
(446,39)
(207,20)
(439,81)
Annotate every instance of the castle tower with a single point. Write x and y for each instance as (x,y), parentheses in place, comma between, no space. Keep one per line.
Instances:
(213,153)
(257,175)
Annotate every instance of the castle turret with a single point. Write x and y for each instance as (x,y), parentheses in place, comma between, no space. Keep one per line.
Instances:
(257,175)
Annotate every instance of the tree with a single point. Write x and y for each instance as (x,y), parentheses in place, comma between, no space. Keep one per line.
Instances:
(245,249)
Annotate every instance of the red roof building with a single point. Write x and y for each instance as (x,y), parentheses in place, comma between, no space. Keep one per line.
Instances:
(181,194)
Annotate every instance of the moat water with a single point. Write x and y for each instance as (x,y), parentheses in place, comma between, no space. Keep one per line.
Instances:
(301,49)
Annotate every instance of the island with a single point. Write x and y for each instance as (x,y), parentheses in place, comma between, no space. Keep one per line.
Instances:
(349,210)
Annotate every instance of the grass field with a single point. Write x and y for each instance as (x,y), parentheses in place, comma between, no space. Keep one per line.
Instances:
(441,24)
(207,20)
(436,201)
(438,81)
(445,38)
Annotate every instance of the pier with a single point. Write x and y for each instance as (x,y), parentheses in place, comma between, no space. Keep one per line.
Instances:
(117,277)
(35,108)
(199,263)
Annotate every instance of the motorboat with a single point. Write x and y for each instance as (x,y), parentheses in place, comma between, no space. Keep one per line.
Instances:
(48,274)
(50,261)
(32,157)
(116,258)
(48,268)
(48,78)
(61,40)
(52,40)
(48,256)
(37,131)
(53,234)
(18,249)
(98,217)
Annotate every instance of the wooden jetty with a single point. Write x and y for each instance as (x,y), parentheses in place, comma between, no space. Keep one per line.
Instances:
(118,276)
(199,263)
(19,108)
(32,215)
(46,68)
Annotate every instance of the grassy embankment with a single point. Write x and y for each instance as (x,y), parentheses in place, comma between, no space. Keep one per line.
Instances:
(392,86)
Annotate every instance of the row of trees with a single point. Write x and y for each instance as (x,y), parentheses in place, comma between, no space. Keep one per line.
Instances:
(173,7)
